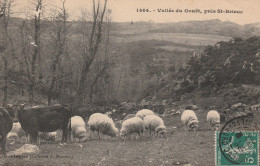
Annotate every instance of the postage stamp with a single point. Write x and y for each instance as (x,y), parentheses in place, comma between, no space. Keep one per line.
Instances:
(238,143)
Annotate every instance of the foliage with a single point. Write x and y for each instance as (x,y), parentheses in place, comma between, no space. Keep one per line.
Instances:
(226,62)
(218,73)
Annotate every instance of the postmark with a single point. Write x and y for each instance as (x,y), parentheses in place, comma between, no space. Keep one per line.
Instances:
(238,142)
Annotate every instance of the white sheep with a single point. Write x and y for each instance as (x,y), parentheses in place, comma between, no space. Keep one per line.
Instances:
(213,118)
(131,126)
(78,129)
(154,123)
(102,124)
(47,136)
(17,131)
(144,112)
(190,120)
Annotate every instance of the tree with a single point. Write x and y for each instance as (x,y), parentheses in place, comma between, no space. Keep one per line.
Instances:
(23,52)
(91,46)
(6,42)
(30,60)
(60,36)
(102,74)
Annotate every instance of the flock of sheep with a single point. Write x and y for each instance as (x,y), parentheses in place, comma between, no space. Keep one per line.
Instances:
(190,120)
(144,119)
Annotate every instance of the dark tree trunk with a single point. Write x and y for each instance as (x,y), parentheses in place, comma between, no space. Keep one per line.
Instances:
(37,21)
(60,43)
(5,81)
(5,8)
(95,82)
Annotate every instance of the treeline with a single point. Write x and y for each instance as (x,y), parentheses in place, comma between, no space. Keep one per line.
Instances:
(41,55)
(210,27)
(53,60)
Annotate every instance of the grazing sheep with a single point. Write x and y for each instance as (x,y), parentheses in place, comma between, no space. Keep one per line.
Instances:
(78,128)
(129,116)
(80,133)
(131,126)
(190,120)
(144,112)
(47,136)
(17,131)
(213,118)
(102,124)
(154,123)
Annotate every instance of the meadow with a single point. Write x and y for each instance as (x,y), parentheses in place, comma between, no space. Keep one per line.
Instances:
(181,38)
(180,147)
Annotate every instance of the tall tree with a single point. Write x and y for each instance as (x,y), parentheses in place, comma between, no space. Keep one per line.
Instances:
(23,52)
(5,6)
(60,36)
(91,48)
(35,44)
(102,74)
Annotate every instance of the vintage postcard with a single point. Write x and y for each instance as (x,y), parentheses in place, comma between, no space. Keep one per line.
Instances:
(129,82)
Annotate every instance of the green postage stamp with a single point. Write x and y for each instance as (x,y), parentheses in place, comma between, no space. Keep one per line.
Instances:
(237,148)
(237,143)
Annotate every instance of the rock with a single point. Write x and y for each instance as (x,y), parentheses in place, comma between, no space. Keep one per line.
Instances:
(237,114)
(238,107)
(127,106)
(171,130)
(254,108)
(25,149)
(191,107)
(158,108)
(164,102)
(81,146)
(154,98)
(144,103)
(182,163)
(171,112)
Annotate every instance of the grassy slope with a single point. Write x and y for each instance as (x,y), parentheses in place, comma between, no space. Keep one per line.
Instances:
(184,147)
(196,148)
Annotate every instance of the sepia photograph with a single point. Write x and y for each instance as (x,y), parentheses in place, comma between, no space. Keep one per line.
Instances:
(129,82)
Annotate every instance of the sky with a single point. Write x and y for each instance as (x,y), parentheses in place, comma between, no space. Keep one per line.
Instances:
(126,10)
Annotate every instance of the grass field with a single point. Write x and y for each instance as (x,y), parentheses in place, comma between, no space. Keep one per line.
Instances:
(196,148)
(183,38)
(176,41)
(180,147)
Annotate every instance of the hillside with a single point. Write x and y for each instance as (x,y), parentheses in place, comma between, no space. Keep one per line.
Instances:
(224,74)
(207,27)
(143,56)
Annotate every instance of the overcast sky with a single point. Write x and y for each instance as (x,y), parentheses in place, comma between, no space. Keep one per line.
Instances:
(125,10)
